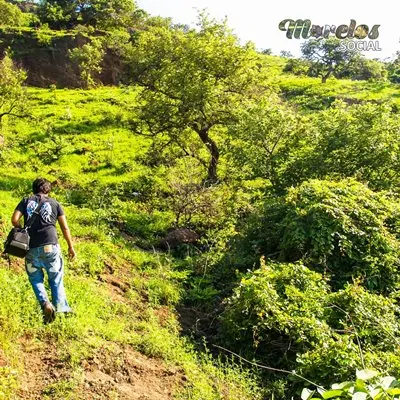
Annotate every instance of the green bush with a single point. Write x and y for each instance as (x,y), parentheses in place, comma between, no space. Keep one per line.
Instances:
(359,141)
(363,69)
(297,66)
(285,316)
(10,14)
(89,58)
(278,303)
(341,229)
(372,317)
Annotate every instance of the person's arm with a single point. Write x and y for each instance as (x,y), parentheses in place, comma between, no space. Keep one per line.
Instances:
(16,218)
(67,235)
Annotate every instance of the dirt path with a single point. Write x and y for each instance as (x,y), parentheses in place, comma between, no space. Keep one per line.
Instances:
(113,371)
(121,373)
(137,377)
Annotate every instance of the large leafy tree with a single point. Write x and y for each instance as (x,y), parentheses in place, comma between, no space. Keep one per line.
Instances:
(102,14)
(327,56)
(193,83)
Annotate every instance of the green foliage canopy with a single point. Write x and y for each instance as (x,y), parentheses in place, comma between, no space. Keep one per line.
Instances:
(259,135)
(10,14)
(286,316)
(341,229)
(326,55)
(360,141)
(102,14)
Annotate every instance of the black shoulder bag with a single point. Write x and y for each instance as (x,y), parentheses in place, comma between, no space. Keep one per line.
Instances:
(17,243)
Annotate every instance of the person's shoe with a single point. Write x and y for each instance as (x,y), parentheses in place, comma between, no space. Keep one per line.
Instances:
(49,312)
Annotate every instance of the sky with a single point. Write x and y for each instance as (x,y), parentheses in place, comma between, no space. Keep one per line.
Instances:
(258,20)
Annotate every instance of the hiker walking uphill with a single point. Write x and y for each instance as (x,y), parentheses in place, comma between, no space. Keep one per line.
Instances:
(44,251)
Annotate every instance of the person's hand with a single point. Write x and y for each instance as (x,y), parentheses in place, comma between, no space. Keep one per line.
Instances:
(71,253)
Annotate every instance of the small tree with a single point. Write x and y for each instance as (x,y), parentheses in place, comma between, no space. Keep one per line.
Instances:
(59,14)
(297,66)
(327,56)
(254,141)
(88,57)
(108,14)
(12,93)
(286,54)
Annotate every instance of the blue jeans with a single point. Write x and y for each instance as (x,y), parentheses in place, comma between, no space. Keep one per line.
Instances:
(47,258)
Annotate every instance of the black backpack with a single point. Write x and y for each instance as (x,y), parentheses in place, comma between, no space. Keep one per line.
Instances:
(17,242)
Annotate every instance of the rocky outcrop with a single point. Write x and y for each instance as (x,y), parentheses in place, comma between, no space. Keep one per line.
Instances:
(45,57)
(177,237)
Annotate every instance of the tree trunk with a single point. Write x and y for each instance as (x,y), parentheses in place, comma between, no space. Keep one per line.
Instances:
(327,75)
(212,176)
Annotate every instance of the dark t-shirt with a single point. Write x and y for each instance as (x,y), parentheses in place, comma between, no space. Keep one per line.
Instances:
(43,231)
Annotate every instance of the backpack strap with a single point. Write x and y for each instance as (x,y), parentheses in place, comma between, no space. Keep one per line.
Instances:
(32,219)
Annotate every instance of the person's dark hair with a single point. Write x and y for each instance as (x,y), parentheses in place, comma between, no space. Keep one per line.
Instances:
(41,185)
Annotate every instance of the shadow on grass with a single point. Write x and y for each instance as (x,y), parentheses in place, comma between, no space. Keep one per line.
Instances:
(85,126)
(17,184)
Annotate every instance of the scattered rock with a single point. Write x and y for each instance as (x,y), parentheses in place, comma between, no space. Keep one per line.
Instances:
(177,237)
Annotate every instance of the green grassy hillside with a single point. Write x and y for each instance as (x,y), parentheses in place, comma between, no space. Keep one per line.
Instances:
(310,94)
(123,295)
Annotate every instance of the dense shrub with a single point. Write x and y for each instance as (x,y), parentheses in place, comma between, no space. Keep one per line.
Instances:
(278,303)
(361,141)
(341,229)
(297,66)
(10,15)
(393,69)
(363,69)
(286,316)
